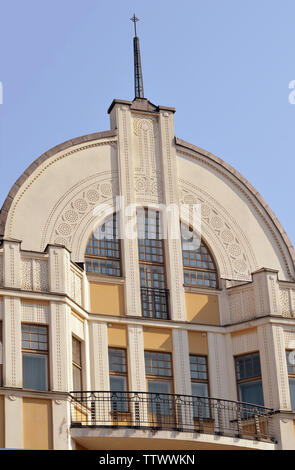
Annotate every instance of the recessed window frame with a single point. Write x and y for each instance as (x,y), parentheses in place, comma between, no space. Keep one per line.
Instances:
(251,378)
(198,271)
(33,351)
(122,407)
(152,255)
(91,258)
(291,378)
(77,365)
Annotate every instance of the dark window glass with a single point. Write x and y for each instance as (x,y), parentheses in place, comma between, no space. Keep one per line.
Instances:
(290,358)
(248,373)
(118,379)
(199,269)
(158,364)
(103,250)
(35,357)
(77,364)
(154,295)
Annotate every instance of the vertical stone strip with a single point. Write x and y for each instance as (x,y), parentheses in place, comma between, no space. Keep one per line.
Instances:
(130,249)
(273,367)
(136,370)
(170,196)
(217,364)
(12,369)
(60,361)
(12,264)
(182,379)
(98,333)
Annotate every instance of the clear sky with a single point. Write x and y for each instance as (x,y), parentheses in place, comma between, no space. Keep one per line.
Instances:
(225,65)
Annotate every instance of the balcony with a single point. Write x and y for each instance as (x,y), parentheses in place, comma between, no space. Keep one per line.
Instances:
(167,412)
(154,303)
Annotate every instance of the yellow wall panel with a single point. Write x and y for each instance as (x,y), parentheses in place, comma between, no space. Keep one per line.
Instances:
(37,423)
(107,299)
(202,308)
(117,336)
(158,339)
(2,422)
(197,343)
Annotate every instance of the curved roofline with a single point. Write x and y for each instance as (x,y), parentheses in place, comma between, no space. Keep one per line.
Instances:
(248,185)
(113,133)
(49,153)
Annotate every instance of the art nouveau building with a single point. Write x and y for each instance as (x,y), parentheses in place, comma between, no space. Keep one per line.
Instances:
(141,343)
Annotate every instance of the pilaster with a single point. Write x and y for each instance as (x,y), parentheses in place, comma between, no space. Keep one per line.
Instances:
(60,360)
(170,198)
(59,269)
(217,364)
(136,361)
(121,115)
(12,356)
(11,264)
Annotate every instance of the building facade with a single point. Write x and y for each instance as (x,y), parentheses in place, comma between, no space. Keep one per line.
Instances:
(141,342)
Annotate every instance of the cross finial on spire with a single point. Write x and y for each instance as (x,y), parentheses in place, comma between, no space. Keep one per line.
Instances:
(138,82)
(134,20)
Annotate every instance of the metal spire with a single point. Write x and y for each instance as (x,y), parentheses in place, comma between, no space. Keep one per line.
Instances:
(138,82)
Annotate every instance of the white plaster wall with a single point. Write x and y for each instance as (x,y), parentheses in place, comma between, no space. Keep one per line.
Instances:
(229,209)
(38,203)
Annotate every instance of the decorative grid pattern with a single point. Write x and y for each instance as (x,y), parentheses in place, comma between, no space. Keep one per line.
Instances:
(199,267)
(198,368)
(154,295)
(150,243)
(158,364)
(103,251)
(117,360)
(152,276)
(248,367)
(35,338)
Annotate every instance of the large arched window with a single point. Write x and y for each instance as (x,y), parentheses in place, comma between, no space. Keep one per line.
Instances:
(103,252)
(154,294)
(199,269)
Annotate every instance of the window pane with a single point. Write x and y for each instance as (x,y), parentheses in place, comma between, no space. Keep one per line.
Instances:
(199,389)
(195,257)
(77,378)
(117,383)
(292,392)
(201,405)
(76,345)
(158,403)
(35,371)
(35,337)
(251,392)
(119,400)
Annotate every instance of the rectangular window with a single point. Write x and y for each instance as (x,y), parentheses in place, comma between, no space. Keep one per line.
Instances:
(159,381)
(200,386)
(118,379)
(290,357)
(35,357)
(1,356)
(248,373)
(77,365)
(154,294)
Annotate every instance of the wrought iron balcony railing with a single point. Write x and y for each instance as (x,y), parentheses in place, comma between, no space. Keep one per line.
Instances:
(155,303)
(162,411)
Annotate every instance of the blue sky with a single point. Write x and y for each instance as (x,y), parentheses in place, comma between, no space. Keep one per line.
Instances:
(224,64)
